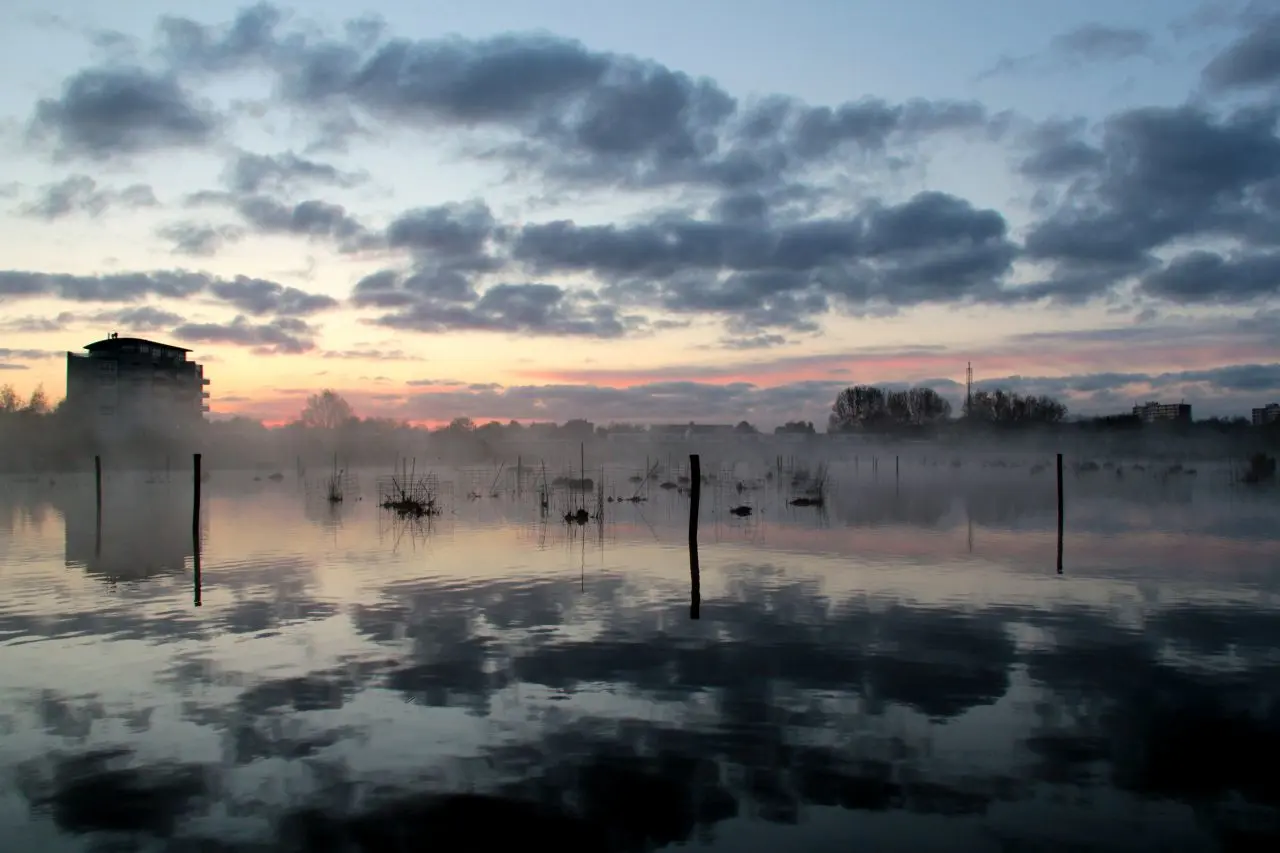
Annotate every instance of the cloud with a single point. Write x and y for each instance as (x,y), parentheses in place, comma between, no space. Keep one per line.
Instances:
(145,318)
(110,287)
(763,276)
(81,194)
(1164,176)
(1059,151)
(442,383)
(1208,277)
(26,354)
(33,324)
(108,112)
(252,295)
(428,302)
(1088,43)
(456,234)
(257,296)
(4,365)
(198,239)
(252,173)
(578,114)
(371,355)
(1099,43)
(1225,390)
(1251,61)
(313,218)
(761,341)
(282,336)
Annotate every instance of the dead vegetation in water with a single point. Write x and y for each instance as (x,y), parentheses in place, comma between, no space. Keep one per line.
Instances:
(1262,469)
(409,495)
(815,492)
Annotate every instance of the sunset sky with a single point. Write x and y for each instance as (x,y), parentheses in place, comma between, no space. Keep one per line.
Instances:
(652,211)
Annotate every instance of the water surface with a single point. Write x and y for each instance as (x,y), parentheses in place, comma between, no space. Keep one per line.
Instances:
(905,669)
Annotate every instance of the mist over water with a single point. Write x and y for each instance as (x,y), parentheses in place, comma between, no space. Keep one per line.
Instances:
(903,667)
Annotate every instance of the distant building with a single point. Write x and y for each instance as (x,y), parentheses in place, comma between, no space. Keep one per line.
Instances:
(1268,414)
(1152,412)
(123,384)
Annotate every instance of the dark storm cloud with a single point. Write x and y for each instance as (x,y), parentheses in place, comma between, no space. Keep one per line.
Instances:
(281,336)
(1251,61)
(258,296)
(105,112)
(449,302)
(197,239)
(1165,175)
(1089,43)
(82,194)
(251,173)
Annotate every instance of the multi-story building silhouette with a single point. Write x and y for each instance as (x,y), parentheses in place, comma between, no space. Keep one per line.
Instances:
(1268,414)
(1153,412)
(124,384)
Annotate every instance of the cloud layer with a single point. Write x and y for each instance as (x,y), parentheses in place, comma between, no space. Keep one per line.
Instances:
(750,223)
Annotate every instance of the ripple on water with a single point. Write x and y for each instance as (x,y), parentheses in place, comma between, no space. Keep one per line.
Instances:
(905,664)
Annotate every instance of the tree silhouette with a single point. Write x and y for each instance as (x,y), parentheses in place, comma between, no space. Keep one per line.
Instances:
(326,410)
(869,407)
(1006,408)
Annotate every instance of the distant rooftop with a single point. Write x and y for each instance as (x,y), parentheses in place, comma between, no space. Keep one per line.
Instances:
(114,342)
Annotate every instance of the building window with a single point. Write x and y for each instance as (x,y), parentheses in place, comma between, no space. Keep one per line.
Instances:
(106,410)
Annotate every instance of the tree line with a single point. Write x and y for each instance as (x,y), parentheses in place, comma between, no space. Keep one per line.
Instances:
(871,408)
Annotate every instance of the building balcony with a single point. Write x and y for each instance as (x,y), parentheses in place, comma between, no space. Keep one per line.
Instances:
(204,381)
(204,407)
(204,394)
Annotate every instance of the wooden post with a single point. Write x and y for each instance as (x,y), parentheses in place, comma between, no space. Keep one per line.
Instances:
(519,473)
(195,496)
(97,503)
(1060,512)
(695,493)
(895,467)
(195,527)
(197,584)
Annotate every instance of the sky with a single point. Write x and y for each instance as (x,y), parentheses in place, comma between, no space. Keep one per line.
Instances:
(665,211)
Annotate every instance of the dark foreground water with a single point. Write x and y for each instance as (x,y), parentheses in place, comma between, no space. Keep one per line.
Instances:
(905,670)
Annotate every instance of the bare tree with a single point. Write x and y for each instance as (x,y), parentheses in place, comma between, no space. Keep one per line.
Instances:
(38,404)
(326,410)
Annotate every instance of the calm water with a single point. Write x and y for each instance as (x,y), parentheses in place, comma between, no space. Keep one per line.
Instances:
(905,670)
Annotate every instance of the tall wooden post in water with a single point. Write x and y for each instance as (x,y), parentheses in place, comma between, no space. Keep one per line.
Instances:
(1060,513)
(97,504)
(196,581)
(695,576)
